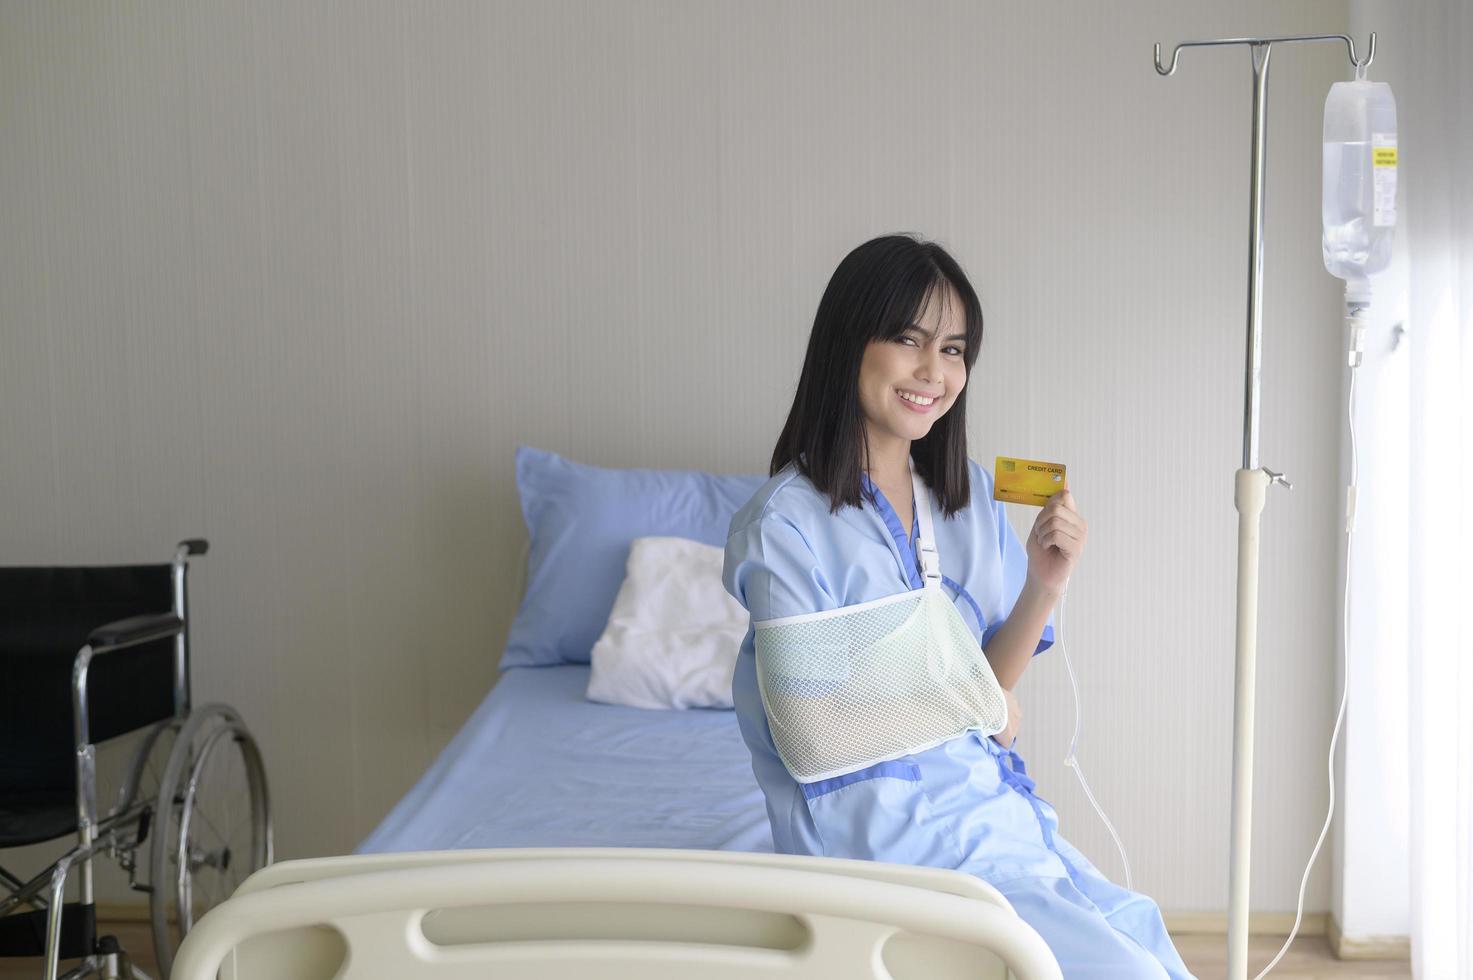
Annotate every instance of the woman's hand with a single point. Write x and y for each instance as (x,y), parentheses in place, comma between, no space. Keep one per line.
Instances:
(1056,542)
(1006,737)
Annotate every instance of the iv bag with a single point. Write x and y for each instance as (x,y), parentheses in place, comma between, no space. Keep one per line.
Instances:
(1359,199)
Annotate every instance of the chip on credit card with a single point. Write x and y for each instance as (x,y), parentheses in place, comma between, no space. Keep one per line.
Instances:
(1027,481)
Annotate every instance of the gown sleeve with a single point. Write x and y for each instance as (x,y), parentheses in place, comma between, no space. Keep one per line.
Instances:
(1014,575)
(771,570)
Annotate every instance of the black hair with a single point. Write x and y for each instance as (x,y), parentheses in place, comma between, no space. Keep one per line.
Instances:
(875,295)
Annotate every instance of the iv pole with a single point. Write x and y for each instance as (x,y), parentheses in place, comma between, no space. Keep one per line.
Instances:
(1249,491)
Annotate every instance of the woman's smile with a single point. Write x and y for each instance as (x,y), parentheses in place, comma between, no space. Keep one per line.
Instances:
(917,401)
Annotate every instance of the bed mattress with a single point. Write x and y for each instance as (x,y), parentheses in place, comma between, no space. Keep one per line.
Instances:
(538,765)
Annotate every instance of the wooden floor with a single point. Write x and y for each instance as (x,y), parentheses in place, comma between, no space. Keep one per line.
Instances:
(1205,955)
(1309,958)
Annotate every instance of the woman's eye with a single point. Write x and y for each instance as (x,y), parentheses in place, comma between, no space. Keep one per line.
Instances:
(954,351)
(907,339)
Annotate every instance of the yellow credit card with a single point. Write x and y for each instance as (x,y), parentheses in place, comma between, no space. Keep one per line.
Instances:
(1027,481)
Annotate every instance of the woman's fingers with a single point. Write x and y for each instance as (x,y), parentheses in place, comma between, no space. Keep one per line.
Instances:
(1063,500)
(1051,513)
(1067,546)
(1059,527)
(1072,523)
(1060,532)
(1062,539)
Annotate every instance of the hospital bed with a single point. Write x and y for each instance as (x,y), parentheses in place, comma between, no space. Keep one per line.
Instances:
(557,836)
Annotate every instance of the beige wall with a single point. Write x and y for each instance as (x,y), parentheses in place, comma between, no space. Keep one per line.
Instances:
(298,277)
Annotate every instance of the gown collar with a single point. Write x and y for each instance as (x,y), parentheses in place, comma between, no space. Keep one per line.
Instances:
(903,548)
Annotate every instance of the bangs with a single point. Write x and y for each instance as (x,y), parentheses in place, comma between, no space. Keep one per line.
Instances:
(910,300)
(916,301)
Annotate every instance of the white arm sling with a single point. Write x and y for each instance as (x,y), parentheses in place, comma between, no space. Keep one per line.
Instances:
(847,688)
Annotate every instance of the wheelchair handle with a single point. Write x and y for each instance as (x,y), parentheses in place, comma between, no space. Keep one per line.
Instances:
(193,546)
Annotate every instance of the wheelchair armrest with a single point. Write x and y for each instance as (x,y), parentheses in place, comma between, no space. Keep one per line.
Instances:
(135,629)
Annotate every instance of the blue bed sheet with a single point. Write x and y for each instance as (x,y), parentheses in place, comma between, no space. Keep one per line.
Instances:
(538,765)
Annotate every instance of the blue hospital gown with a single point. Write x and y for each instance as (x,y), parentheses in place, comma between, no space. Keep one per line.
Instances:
(966,804)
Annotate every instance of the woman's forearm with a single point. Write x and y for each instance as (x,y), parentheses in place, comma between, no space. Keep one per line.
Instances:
(1011,648)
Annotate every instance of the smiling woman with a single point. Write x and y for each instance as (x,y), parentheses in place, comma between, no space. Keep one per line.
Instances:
(892,607)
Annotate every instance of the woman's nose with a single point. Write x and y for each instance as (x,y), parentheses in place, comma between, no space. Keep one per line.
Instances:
(929,369)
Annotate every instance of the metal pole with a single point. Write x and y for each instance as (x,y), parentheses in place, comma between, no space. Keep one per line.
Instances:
(1248,493)
(1261,54)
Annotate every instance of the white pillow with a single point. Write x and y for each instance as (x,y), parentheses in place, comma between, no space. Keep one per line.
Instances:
(673,634)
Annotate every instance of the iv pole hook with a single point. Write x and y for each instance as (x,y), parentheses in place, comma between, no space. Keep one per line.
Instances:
(1349,43)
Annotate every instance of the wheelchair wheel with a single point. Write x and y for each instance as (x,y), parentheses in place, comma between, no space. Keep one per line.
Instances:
(146,769)
(212,828)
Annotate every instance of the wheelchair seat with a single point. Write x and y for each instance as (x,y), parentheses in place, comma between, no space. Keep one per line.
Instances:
(36,816)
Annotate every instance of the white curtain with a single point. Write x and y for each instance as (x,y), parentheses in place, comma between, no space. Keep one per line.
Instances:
(1435,124)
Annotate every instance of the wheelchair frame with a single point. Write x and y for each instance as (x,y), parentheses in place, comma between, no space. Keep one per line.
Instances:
(121,831)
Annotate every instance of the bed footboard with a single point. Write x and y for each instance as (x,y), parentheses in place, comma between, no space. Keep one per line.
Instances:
(610,912)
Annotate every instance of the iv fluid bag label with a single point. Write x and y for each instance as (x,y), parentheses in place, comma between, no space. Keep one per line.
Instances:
(1383,169)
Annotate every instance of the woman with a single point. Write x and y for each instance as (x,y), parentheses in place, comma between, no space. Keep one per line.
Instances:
(882,397)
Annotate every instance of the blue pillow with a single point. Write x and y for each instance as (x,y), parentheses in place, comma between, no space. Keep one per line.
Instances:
(581,520)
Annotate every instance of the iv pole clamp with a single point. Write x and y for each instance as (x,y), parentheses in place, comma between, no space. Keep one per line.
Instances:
(1249,490)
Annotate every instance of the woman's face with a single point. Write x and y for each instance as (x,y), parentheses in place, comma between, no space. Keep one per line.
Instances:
(907,383)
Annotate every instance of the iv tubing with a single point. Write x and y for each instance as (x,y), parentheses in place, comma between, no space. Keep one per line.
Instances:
(1071,761)
(1357,333)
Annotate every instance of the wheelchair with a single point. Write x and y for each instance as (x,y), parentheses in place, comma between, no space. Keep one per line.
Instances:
(98,657)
